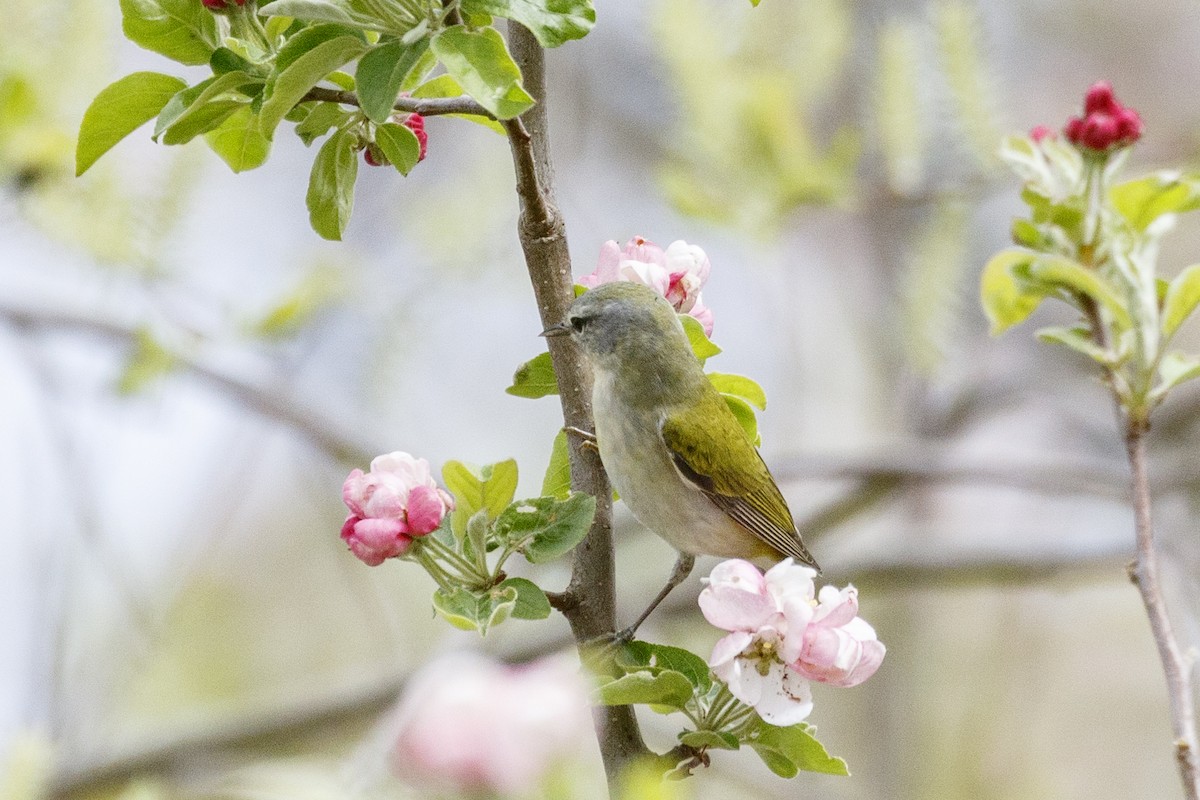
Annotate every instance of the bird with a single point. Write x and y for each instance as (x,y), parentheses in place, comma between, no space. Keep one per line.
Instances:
(675,453)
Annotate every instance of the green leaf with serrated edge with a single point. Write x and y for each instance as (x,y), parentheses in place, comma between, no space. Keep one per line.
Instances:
(739,386)
(656,657)
(710,740)
(532,602)
(1054,272)
(553,22)
(667,688)
(1143,200)
(535,378)
(1174,369)
(479,611)
(447,86)
(1183,294)
(543,528)
(1078,339)
(381,73)
(480,62)
(239,142)
(330,196)
(119,110)
(499,486)
(149,361)
(318,11)
(290,86)
(182,30)
(399,145)
(1005,301)
(557,481)
(702,346)
(795,746)
(745,417)
(319,121)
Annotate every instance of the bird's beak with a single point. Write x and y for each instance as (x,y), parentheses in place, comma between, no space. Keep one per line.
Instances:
(561,329)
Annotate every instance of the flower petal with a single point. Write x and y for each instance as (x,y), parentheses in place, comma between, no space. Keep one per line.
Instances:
(786,698)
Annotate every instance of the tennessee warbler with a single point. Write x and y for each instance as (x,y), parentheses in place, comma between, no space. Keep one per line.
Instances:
(674,451)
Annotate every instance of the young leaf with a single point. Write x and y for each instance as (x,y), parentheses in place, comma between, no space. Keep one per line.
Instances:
(182,30)
(467,487)
(1057,272)
(667,688)
(381,73)
(739,386)
(544,528)
(1182,297)
(553,22)
(1176,368)
(1006,302)
(330,196)
(1144,200)
(788,750)
(239,142)
(658,657)
(745,417)
(201,108)
(149,361)
(712,740)
(468,610)
(499,486)
(532,602)
(290,86)
(702,346)
(535,378)
(480,62)
(307,39)
(318,11)
(399,145)
(557,482)
(318,121)
(447,86)
(1079,339)
(119,110)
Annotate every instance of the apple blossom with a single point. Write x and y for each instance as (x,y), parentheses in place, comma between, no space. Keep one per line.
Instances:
(677,273)
(783,635)
(392,504)
(1105,123)
(467,725)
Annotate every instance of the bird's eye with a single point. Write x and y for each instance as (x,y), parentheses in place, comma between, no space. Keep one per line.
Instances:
(578,323)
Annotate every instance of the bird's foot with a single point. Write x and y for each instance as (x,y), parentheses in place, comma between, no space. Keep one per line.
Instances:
(589,438)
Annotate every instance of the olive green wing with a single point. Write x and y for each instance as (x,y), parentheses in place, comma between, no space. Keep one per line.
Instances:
(711,451)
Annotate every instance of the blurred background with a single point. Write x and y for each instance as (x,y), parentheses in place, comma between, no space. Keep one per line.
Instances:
(188,373)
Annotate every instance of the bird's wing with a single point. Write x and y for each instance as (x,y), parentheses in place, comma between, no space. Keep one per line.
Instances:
(712,452)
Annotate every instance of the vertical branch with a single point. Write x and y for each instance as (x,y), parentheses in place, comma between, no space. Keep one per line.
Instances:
(1144,574)
(589,602)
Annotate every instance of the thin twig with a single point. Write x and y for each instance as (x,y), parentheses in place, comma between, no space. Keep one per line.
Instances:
(425,106)
(1177,666)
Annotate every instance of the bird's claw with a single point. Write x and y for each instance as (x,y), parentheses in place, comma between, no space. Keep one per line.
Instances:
(589,438)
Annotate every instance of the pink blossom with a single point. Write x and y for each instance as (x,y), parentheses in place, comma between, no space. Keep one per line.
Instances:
(782,635)
(1040,132)
(677,273)
(1105,123)
(470,726)
(392,504)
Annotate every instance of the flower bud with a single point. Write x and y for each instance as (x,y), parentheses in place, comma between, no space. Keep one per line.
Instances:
(374,156)
(222,6)
(394,503)
(416,124)
(1105,124)
(1041,132)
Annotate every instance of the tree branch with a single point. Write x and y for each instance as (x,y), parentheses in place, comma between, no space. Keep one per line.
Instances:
(590,605)
(426,107)
(1144,573)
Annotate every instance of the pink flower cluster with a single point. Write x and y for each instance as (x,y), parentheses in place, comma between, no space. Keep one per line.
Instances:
(395,502)
(471,727)
(1105,123)
(677,273)
(784,634)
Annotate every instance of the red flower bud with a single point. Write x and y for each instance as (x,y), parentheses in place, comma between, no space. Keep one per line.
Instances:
(416,124)
(1041,132)
(375,157)
(222,6)
(1106,124)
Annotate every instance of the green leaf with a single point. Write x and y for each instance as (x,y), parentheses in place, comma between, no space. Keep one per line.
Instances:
(330,196)
(1005,301)
(1182,297)
(182,30)
(745,417)
(201,108)
(307,39)
(313,293)
(666,688)
(239,141)
(225,60)
(642,656)
(319,120)
(467,487)
(553,22)
(739,386)
(532,602)
(702,346)
(788,750)
(1078,339)
(535,378)
(1144,200)
(399,145)
(480,62)
(479,611)
(318,11)
(710,740)
(148,362)
(557,481)
(544,528)
(381,73)
(1174,369)
(447,86)
(119,110)
(290,85)
(1055,272)
(499,486)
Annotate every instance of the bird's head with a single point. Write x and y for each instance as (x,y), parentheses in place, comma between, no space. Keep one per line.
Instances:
(617,321)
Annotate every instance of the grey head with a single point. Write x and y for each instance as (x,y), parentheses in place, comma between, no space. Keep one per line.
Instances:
(621,320)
